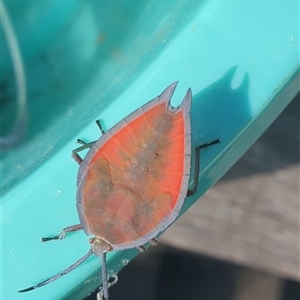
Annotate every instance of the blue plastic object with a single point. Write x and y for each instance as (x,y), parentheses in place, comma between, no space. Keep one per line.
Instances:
(85,60)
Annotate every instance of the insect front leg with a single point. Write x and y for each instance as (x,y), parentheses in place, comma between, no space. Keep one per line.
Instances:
(63,233)
(193,190)
(85,145)
(152,242)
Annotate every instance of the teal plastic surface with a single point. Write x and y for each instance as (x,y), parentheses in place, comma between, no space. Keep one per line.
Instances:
(86,60)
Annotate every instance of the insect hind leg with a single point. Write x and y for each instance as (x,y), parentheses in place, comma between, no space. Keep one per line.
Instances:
(85,145)
(98,122)
(193,190)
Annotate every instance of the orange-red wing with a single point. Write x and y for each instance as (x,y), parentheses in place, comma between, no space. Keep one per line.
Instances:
(133,181)
(118,214)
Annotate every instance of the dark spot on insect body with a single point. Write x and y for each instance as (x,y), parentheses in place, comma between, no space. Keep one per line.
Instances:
(142,217)
(135,221)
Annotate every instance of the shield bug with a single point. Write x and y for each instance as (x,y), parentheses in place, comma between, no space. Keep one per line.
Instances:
(133,181)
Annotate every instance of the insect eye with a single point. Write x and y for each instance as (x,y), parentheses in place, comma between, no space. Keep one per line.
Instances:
(91,241)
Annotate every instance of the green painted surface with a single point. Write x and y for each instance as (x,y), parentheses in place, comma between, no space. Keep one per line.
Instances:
(86,60)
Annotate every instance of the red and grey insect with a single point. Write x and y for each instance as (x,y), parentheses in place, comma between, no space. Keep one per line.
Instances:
(134,179)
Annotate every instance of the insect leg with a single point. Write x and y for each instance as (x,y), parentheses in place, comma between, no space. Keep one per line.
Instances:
(141,248)
(75,154)
(153,242)
(193,190)
(57,276)
(63,233)
(100,126)
(85,145)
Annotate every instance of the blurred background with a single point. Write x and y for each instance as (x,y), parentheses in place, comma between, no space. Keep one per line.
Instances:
(240,241)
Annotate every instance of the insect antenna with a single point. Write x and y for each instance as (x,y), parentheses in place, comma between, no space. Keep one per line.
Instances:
(57,276)
(104,278)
